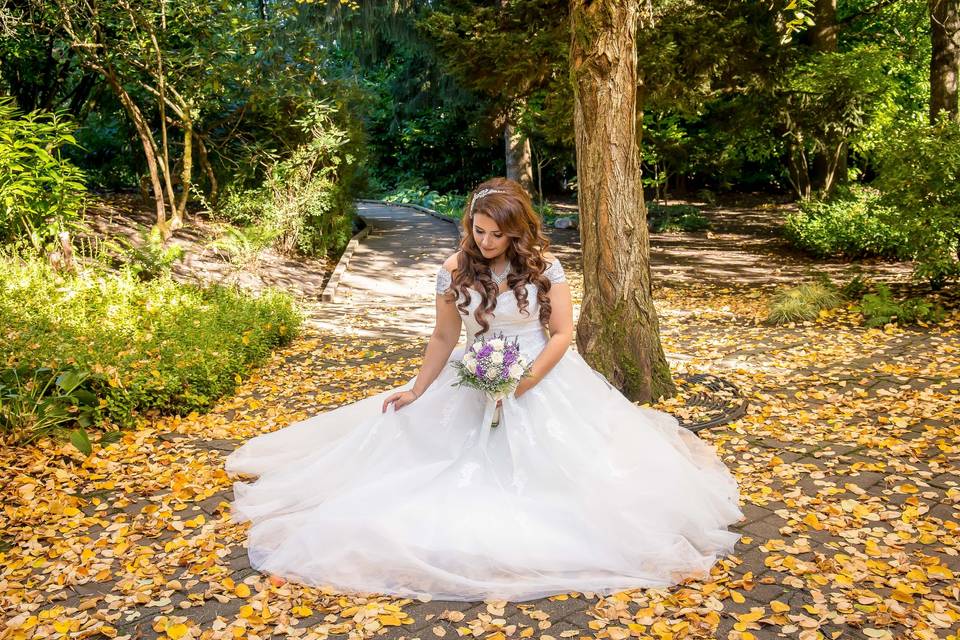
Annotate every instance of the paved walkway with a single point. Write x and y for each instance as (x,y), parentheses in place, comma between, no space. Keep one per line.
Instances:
(388,288)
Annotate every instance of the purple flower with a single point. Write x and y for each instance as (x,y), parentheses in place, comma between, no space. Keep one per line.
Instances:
(481,370)
(509,358)
(485,351)
(505,373)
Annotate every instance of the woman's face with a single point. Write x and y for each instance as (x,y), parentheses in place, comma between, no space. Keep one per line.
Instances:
(491,241)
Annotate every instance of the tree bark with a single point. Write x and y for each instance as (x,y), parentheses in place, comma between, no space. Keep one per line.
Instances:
(518,156)
(187,174)
(830,162)
(208,169)
(618,330)
(146,139)
(825,28)
(945,57)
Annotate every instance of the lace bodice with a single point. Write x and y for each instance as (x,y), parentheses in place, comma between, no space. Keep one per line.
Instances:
(506,317)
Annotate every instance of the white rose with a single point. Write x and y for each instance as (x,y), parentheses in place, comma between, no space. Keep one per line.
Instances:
(516,371)
(493,372)
(496,357)
(497,344)
(471,367)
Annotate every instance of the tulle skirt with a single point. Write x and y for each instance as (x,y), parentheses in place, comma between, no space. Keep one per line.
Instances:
(577,489)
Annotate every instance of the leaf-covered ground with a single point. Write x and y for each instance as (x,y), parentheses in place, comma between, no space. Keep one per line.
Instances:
(847,460)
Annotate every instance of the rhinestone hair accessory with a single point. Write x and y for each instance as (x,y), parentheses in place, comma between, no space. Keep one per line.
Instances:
(482,194)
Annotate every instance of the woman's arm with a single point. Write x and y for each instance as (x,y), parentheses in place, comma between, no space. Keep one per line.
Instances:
(446,333)
(561,332)
(445,336)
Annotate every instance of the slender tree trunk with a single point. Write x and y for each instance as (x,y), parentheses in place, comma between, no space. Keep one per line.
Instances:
(146,139)
(97,59)
(829,163)
(208,169)
(798,170)
(618,331)
(825,26)
(518,157)
(175,221)
(516,145)
(945,58)
(186,177)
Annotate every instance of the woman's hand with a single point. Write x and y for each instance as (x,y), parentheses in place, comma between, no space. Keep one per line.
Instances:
(525,385)
(400,399)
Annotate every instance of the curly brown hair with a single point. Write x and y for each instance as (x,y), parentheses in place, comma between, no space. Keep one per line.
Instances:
(513,212)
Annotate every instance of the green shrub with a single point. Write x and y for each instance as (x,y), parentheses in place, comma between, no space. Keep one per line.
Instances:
(881,308)
(803,302)
(548,212)
(853,224)
(918,173)
(663,218)
(450,205)
(243,207)
(41,193)
(306,199)
(154,345)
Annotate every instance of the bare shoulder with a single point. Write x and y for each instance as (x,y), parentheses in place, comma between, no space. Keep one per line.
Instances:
(549,257)
(450,264)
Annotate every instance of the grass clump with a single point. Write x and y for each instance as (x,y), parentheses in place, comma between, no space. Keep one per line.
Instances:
(803,302)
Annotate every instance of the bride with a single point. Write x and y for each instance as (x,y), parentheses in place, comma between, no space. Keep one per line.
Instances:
(412,493)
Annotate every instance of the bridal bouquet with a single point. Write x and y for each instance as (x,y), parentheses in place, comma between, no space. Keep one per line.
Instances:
(493,366)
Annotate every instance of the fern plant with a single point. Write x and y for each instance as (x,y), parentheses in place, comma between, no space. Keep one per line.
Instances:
(243,246)
(152,256)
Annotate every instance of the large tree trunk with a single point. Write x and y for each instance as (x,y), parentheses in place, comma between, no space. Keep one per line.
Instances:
(945,58)
(618,331)
(830,163)
(518,156)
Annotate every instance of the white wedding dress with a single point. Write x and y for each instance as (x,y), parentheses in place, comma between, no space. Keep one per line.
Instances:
(577,489)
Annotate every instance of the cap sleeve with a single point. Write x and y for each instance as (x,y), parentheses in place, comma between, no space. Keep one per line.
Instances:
(554,272)
(444,278)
